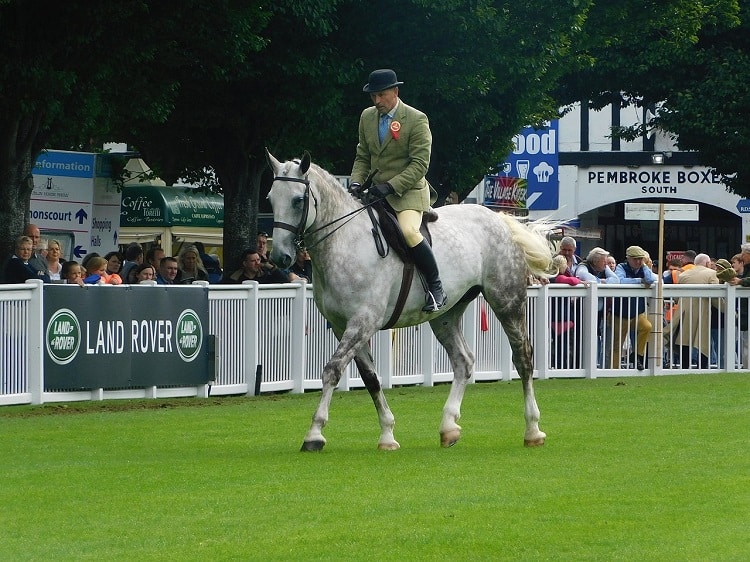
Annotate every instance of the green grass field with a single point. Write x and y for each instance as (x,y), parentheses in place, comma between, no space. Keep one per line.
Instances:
(633,469)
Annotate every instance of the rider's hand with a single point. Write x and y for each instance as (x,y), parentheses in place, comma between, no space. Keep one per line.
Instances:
(381,190)
(355,189)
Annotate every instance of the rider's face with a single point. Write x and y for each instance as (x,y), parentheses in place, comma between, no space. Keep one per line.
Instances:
(385,101)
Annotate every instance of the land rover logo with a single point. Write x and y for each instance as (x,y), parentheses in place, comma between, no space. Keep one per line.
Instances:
(63,336)
(189,335)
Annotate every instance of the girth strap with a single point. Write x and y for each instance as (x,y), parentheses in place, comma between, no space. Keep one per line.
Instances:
(406,280)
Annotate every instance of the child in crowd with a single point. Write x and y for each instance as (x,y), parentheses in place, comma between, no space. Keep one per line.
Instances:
(96,273)
(71,273)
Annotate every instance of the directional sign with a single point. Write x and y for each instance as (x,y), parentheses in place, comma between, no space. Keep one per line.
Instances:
(672,211)
(743,205)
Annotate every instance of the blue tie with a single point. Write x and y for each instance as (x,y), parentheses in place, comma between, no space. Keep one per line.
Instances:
(383,127)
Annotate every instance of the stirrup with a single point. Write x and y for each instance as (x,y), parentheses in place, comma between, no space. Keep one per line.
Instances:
(432,304)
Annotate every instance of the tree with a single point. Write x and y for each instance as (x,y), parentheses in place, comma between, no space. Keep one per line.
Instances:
(67,79)
(691,59)
(480,70)
(193,84)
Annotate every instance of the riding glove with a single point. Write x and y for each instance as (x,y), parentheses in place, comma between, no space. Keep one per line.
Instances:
(380,190)
(355,189)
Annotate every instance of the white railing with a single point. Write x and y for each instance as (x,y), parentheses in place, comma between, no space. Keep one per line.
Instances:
(277,331)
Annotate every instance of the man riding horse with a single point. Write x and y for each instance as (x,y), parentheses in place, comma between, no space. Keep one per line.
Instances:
(395,140)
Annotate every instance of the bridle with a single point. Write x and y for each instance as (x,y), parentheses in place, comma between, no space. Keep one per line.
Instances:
(300,230)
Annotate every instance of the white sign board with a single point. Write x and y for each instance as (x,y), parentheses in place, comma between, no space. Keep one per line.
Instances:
(672,211)
(71,195)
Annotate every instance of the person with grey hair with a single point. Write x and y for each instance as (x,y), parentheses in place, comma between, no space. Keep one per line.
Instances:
(695,314)
(594,270)
(567,249)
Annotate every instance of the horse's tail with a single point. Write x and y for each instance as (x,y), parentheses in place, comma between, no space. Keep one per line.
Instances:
(531,238)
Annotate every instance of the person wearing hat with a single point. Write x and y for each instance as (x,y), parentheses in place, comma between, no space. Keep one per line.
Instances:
(629,314)
(395,140)
(725,273)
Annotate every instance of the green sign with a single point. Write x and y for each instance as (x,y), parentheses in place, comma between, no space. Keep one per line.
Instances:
(131,336)
(153,205)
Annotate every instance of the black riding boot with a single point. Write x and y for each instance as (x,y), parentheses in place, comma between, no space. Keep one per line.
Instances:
(424,259)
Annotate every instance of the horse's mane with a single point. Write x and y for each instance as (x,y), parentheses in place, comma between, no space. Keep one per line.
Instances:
(325,181)
(531,237)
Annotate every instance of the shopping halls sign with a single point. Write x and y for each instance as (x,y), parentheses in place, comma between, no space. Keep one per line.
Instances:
(531,167)
(125,337)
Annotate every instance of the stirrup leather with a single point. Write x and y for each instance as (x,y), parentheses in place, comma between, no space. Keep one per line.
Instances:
(432,305)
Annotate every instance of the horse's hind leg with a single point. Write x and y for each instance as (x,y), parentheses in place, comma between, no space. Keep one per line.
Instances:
(447,330)
(366,367)
(511,311)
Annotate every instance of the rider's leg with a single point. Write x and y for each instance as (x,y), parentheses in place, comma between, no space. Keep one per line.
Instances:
(409,221)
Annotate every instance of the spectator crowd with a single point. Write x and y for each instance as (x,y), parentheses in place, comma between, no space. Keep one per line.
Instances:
(693,328)
(38,258)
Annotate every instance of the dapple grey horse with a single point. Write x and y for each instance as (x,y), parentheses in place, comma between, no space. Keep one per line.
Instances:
(356,290)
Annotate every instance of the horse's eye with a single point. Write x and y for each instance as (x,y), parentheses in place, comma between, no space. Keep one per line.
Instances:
(298,201)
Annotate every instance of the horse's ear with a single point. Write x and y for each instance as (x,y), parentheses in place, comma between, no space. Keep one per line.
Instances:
(272,162)
(304,164)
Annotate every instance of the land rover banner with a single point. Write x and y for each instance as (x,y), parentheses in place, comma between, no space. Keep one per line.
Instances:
(125,337)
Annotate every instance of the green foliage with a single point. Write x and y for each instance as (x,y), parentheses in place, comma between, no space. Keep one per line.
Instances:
(690,58)
(639,468)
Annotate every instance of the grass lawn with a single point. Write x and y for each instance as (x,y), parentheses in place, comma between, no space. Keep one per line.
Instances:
(647,468)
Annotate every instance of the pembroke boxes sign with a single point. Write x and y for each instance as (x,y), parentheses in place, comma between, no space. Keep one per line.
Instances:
(125,337)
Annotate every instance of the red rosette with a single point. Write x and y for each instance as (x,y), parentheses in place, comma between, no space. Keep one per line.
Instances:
(395,128)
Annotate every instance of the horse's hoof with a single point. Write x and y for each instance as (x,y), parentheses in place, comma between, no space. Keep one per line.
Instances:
(390,446)
(312,446)
(538,442)
(450,438)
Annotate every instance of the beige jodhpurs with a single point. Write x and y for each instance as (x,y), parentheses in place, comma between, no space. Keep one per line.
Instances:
(410,221)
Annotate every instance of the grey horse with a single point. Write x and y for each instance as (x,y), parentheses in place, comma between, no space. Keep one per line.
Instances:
(356,290)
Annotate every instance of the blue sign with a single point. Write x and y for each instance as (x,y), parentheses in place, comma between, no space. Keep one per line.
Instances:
(743,206)
(534,159)
(68,164)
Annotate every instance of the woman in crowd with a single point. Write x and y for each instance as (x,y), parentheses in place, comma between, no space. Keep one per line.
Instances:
(191,266)
(145,273)
(18,269)
(114,263)
(54,259)
(738,265)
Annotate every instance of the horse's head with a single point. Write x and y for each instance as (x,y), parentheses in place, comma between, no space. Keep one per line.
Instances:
(294,206)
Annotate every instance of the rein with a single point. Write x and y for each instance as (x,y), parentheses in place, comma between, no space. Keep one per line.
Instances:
(300,230)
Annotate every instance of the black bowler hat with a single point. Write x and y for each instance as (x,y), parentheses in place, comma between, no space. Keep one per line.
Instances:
(380,80)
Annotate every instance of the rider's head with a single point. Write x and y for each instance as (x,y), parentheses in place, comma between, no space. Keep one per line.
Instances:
(383,89)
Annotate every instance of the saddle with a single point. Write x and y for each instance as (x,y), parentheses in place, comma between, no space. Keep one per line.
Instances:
(387,223)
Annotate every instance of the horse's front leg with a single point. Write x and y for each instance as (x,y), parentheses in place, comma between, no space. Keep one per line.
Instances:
(366,367)
(349,342)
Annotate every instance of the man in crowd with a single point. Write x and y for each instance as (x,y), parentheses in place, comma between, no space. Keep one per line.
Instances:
(253,270)
(568,250)
(168,271)
(629,314)
(36,261)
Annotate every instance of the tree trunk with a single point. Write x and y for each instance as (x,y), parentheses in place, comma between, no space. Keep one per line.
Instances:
(239,175)
(16,183)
